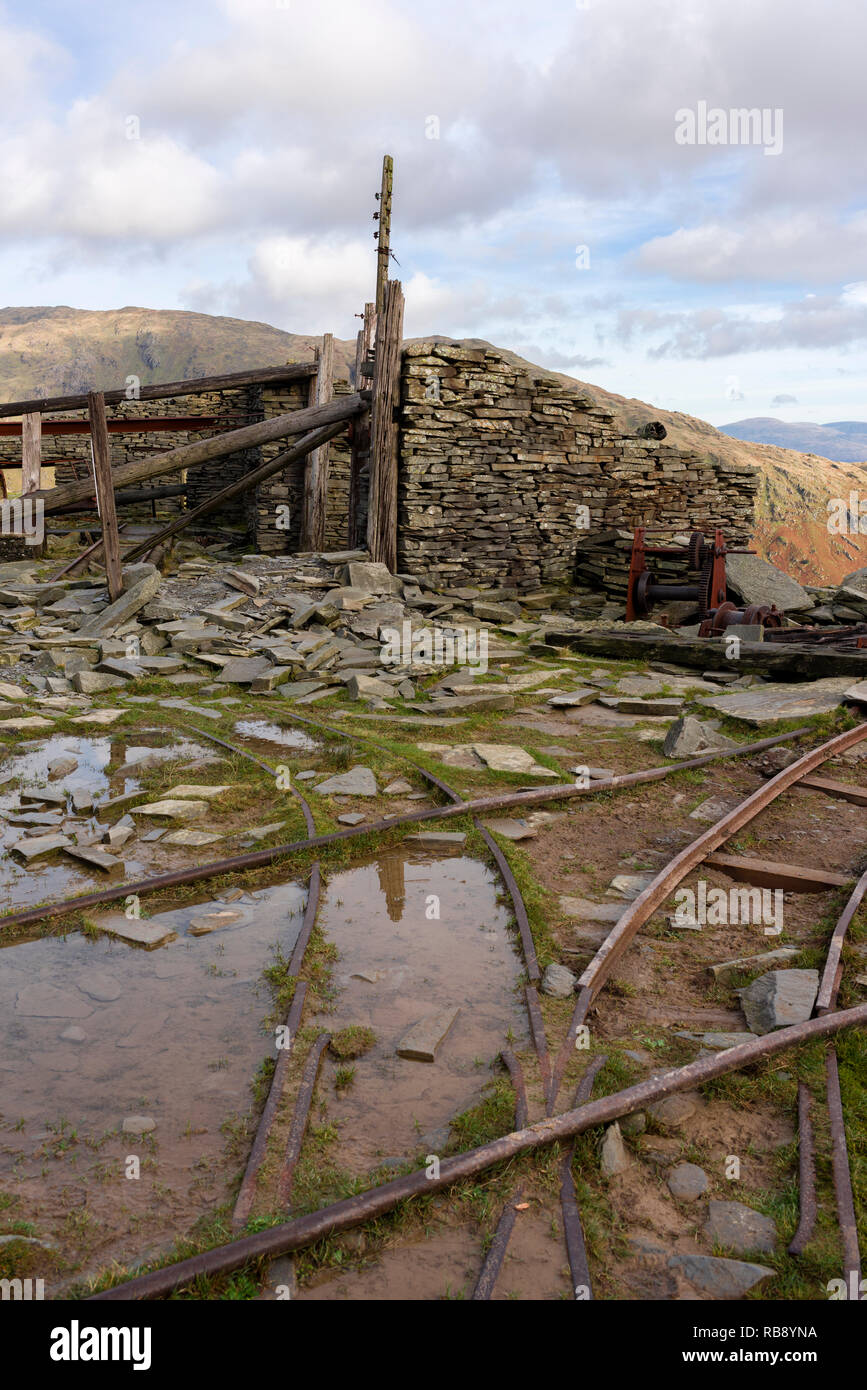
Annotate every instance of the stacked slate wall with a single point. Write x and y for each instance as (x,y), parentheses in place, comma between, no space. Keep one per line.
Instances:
(497,467)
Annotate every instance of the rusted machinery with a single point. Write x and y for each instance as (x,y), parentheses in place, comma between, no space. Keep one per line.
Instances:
(710,593)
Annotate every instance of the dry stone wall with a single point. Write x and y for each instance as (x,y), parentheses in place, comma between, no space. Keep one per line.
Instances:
(512,478)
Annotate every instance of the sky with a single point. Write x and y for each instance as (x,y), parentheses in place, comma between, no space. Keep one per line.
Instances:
(576,180)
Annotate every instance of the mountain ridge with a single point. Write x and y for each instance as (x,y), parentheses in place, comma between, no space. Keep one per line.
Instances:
(59,350)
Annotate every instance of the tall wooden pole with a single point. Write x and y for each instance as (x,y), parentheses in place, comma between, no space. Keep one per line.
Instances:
(105,491)
(360,428)
(384,233)
(384,432)
(31,454)
(316,473)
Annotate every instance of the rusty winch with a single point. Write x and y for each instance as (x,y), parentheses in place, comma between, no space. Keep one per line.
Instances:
(705,558)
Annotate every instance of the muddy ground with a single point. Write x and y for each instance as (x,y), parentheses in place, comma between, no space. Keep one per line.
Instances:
(133,1079)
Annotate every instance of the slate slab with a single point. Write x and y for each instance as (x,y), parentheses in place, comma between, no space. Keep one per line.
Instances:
(752,580)
(421,1042)
(358,781)
(739,1228)
(769,702)
(718,1277)
(779,998)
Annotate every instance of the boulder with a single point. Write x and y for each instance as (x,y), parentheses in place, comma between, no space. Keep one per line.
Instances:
(779,998)
(753,580)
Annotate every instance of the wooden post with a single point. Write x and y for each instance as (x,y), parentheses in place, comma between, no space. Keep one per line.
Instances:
(31,454)
(384,432)
(105,491)
(384,233)
(360,436)
(316,472)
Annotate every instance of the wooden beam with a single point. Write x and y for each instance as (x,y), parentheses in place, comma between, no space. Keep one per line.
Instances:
(844,791)
(162,390)
(360,430)
(31,454)
(251,479)
(382,507)
(766,873)
(204,450)
(105,492)
(316,471)
(384,234)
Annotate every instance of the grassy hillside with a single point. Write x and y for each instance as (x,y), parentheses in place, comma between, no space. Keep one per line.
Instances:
(57,351)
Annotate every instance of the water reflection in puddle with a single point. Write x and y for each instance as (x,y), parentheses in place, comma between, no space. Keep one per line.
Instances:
(267,732)
(94,1030)
(382,919)
(58,876)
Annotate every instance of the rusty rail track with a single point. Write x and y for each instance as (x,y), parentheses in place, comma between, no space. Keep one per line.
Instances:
(340,1216)
(660,889)
(258,859)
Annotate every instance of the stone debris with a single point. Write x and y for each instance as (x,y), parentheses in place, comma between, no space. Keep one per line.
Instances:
(175,809)
(207,922)
(192,839)
(615,1155)
(727,971)
(40,845)
(558,981)
(779,999)
(358,781)
(590,911)
(437,839)
(720,1278)
(148,934)
(421,1042)
(630,886)
(690,737)
(138,1124)
(511,829)
(772,701)
(97,859)
(687,1182)
(739,1228)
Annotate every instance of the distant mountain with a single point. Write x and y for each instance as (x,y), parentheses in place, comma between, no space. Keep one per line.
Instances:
(843,440)
(63,351)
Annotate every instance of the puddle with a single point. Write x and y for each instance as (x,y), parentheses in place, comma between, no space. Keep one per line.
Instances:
(264,731)
(377,915)
(23,884)
(174,1034)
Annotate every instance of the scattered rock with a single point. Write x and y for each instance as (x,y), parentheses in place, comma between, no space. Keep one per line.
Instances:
(421,1042)
(689,737)
(358,781)
(720,1278)
(558,981)
(779,998)
(674,1111)
(687,1182)
(615,1156)
(138,1124)
(739,1228)
(727,971)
